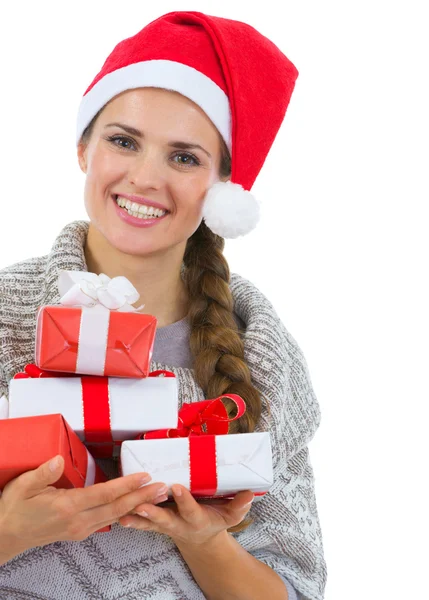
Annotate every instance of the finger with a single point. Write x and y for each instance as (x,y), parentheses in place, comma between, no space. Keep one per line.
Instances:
(241,501)
(125,504)
(188,507)
(164,500)
(163,520)
(237,508)
(214,501)
(33,482)
(104,493)
(137,522)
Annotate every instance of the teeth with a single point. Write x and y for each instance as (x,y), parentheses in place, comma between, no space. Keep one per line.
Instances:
(139,210)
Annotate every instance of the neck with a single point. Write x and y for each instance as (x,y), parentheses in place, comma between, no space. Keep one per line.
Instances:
(157,278)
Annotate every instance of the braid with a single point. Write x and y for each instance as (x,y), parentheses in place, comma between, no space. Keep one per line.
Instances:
(216,345)
(215,341)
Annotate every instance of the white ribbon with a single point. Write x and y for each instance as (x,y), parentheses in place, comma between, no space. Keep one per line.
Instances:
(80,288)
(97,295)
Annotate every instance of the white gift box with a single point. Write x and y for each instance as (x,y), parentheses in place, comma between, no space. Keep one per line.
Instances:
(243,462)
(135,405)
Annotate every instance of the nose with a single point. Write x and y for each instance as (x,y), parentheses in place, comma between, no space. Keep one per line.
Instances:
(146,171)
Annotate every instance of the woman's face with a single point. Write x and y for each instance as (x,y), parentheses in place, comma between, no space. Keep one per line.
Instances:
(133,152)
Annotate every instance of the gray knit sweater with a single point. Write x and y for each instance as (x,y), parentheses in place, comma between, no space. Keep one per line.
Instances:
(126,564)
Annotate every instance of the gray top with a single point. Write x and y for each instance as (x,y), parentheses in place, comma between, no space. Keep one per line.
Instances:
(172,345)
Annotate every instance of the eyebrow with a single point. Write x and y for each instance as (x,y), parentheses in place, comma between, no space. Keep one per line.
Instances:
(174,144)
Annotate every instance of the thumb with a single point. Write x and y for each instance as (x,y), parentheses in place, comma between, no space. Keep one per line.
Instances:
(34,482)
(241,503)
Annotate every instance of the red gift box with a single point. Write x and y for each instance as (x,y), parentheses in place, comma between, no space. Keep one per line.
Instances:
(94,341)
(28,442)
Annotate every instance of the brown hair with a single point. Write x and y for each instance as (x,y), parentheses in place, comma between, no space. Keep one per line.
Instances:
(216,343)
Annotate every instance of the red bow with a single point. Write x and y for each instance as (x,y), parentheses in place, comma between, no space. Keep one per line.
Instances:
(208,417)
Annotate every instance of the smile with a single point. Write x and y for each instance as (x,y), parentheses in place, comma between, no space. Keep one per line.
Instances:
(141,211)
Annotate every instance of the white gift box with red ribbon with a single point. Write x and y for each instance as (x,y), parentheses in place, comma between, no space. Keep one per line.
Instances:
(101,410)
(207,465)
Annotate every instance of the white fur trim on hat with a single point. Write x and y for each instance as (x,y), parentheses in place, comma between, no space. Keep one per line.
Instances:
(229,210)
(165,74)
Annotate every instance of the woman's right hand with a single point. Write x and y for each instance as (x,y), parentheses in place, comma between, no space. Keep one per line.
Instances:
(34,513)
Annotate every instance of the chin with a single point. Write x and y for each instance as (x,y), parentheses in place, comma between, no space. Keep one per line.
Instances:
(133,244)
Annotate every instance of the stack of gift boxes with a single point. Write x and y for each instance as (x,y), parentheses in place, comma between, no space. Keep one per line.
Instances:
(90,394)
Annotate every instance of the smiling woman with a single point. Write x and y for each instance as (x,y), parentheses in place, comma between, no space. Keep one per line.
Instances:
(171,138)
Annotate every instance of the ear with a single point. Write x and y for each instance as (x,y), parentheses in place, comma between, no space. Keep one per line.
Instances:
(81,156)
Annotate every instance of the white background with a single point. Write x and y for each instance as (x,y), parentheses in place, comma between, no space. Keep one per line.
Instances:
(341,250)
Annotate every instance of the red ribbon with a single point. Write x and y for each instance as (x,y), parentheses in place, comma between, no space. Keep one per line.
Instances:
(207,417)
(202,465)
(33,372)
(96,410)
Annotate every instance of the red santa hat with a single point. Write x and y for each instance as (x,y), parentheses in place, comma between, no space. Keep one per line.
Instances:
(239,78)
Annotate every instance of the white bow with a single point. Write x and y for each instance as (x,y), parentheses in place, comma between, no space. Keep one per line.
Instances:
(80,288)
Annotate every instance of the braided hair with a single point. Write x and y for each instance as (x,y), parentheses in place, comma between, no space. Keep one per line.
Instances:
(216,344)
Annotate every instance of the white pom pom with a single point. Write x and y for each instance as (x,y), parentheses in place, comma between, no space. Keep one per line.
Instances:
(229,210)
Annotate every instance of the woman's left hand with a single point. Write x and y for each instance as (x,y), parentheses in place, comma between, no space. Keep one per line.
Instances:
(190,522)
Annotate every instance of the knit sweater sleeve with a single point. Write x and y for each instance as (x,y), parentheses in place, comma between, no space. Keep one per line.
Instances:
(4,390)
(3,384)
(286,533)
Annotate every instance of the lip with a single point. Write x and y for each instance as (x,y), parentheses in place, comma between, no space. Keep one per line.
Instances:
(135,221)
(141,200)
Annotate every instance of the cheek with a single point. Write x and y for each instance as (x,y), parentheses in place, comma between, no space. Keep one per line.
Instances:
(192,193)
(101,176)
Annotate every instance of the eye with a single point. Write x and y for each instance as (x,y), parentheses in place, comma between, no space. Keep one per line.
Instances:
(121,141)
(189,157)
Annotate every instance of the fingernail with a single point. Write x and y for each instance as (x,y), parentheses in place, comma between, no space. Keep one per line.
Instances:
(162,491)
(145,479)
(54,464)
(143,513)
(160,499)
(177,491)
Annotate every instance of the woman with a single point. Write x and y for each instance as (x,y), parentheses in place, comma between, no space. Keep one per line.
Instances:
(171,136)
